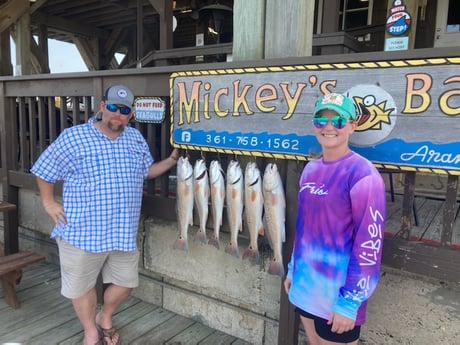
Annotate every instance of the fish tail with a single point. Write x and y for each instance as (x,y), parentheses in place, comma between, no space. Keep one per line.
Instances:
(232,249)
(214,241)
(252,255)
(276,268)
(200,236)
(181,244)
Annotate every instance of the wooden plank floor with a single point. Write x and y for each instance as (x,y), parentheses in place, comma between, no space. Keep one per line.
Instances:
(47,318)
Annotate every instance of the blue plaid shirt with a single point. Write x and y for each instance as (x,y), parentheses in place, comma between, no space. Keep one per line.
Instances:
(103,182)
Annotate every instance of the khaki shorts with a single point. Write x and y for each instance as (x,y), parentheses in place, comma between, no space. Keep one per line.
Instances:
(80,269)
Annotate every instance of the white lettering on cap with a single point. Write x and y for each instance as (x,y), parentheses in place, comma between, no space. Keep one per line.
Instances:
(122,93)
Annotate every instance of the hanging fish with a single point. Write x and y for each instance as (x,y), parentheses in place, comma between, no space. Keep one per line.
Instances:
(217,184)
(234,195)
(274,214)
(184,201)
(201,196)
(253,209)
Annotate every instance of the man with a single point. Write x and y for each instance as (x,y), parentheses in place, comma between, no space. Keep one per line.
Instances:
(103,164)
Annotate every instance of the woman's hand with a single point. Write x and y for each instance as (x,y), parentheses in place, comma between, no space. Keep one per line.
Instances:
(340,323)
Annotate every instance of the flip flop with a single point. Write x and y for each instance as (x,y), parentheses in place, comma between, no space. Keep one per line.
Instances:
(108,333)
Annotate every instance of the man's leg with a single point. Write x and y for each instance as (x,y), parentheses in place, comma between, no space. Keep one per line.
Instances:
(85,308)
(114,296)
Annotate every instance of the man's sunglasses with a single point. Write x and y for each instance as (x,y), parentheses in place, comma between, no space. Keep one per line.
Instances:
(337,121)
(123,110)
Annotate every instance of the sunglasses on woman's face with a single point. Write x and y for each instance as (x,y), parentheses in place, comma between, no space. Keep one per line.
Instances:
(123,110)
(337,121)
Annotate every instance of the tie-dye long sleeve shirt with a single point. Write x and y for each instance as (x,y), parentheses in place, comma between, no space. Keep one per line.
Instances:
(335,262)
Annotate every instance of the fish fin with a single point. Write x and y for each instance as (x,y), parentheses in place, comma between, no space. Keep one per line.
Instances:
(181,244)
(214,241)
(200,236)
(232,249)
(261,230)
(283,237)
(276,268)
(252,255)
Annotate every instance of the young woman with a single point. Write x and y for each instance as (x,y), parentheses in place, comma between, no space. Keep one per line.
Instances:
(335,262)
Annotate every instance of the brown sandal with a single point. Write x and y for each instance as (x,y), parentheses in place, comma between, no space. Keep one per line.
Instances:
(108,333)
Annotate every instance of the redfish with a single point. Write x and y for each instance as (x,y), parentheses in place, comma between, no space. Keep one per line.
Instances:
(217,185)
(274,214)
(184,201)
(234,195)
(253,209)
(201,196)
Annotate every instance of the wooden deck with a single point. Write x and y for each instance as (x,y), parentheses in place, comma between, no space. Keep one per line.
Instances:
(47,318)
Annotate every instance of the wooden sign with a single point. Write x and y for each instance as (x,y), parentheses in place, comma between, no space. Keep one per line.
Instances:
(410,110)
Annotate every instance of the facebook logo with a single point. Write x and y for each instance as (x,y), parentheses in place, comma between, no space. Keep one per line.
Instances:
(186,137)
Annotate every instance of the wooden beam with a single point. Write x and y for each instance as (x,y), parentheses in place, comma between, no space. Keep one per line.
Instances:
(248,30)
(23,42)
(294,19)
(36,5)
(67,26)
(89,51)
(11,11)
(165,11)
(450,210)
(5,53)
(140,31)
(39,54)
(330,16)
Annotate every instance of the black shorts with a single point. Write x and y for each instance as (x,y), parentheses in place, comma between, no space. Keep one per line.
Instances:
(324,330)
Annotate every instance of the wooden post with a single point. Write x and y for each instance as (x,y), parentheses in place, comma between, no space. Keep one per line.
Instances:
(23,37)
(408,203)
(5,53)
(287,22)
(449,210)
(401,24)
(248,30)
(165,11)
(7,153)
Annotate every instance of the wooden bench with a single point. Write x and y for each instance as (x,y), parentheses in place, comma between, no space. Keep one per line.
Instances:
(11,266)
(11,273)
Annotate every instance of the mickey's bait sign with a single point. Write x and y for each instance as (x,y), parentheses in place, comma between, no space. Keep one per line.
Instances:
(410,110)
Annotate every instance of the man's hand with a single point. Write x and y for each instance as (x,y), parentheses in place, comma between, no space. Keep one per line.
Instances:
(340,323)
(56,212)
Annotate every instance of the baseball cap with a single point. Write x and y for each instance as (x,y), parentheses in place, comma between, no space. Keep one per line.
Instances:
(119,94)
(337,102)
